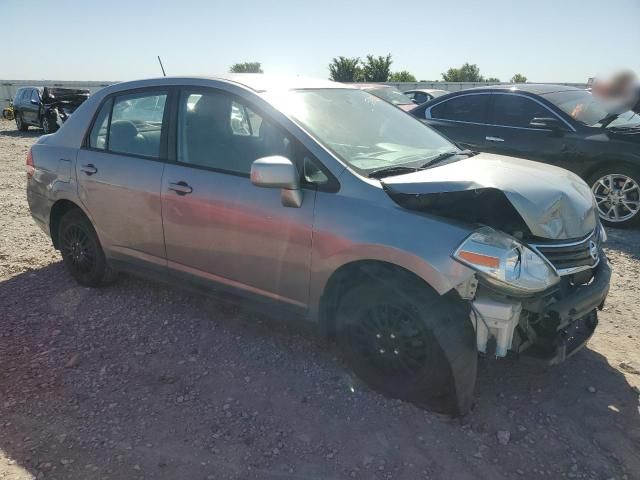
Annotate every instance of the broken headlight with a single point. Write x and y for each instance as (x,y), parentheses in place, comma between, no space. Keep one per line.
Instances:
(505,262)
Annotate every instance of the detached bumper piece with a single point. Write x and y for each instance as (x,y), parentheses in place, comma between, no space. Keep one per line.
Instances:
(568,341)
(563,327)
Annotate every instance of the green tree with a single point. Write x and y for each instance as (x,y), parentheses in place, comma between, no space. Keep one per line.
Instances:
(345,69)
(492,80)
(466,73)
(246,67)
(403,76)
(377,69)
(518,78)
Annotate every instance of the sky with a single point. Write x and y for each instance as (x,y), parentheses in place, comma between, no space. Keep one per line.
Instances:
(546,40)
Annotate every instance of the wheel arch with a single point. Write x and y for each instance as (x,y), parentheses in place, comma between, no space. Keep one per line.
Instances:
(58,210)
(352,273)
(606,165)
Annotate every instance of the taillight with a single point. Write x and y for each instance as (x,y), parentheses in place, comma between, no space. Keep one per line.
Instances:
(31,169)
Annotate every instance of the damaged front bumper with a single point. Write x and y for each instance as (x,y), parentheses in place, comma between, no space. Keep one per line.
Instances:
(548,328)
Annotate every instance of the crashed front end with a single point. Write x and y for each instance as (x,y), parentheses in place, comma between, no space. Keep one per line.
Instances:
(551,324)
(60,103)
(539,272)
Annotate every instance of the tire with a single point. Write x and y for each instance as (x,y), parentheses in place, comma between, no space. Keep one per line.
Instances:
(407,342)
(81,251)
(20,125)
(618,207)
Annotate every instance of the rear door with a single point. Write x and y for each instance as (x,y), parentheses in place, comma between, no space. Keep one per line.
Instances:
(510,132)
(119,174)
(462,119)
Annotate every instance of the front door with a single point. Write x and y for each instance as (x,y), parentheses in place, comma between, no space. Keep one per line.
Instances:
(119,176)
(217,225)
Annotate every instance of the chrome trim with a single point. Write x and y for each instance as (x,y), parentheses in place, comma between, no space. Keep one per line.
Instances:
(427,112)
(568,271)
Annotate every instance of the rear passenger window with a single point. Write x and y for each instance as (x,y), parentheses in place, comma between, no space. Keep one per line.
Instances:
(218,131)
(466,108)
(130,124)
(516,111)
(136,124)
(98,136)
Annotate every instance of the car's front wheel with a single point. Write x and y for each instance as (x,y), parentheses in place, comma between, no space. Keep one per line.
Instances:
(81,251)
(20,125)
(617,193)
(407,342)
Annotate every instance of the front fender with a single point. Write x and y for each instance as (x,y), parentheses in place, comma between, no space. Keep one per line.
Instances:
(348,229)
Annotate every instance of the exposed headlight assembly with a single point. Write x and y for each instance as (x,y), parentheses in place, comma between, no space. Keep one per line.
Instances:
(505,262)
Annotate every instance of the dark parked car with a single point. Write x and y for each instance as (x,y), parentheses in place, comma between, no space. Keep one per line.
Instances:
(555,124)
(47,108)
(422,95)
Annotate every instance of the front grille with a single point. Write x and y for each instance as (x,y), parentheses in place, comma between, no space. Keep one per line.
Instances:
(572,257)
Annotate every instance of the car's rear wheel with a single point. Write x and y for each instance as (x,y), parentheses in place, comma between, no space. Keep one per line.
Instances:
(407,342)
(617,193)
(20,125)
(81,250)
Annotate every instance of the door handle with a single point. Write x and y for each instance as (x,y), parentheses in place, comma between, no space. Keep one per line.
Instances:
(494,139)
(89,169)
(181,188)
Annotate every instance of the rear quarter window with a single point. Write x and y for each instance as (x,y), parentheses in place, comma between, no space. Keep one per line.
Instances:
(98,135)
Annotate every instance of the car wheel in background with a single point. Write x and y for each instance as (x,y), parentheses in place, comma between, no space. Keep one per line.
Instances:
(45,122)
(23,127)
(617,193)
(407,342)
(81,250)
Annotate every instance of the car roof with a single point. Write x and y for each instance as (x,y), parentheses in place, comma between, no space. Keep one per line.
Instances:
(258,82)
(365,86)
(535,88)
(426,90)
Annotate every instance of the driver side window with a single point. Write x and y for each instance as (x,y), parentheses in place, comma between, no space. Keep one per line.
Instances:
(222,132)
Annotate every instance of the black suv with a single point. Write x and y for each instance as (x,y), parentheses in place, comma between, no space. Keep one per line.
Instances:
(47,108)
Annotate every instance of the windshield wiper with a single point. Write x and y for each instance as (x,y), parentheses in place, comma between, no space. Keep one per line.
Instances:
(445,155)
(391,171)
(608,119)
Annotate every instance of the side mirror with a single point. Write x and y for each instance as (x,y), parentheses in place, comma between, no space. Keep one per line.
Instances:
(278,172)
(548,123)
(35,102)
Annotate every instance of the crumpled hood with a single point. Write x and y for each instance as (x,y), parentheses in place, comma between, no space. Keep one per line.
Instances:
(553,202)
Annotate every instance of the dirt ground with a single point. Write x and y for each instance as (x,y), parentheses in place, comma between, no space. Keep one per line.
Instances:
(136,381)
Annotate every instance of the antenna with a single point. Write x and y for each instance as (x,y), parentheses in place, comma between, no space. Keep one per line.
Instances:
(160,61)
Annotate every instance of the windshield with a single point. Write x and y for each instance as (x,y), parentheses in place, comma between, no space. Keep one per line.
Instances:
(391,95)
(588,109)
(362,130)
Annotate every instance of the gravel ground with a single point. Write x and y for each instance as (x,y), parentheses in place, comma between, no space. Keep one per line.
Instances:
(140,381)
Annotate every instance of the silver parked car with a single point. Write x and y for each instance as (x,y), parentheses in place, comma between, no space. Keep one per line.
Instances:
(327,200)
